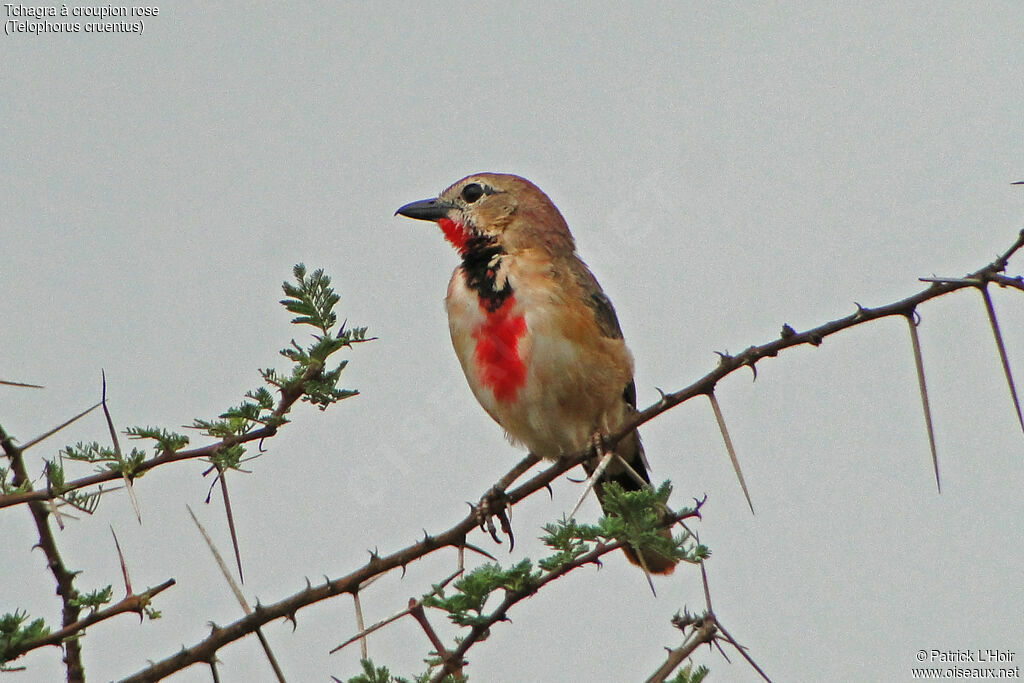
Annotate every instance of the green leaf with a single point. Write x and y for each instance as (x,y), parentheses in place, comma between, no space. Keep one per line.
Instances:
(228,458)
(465,607)
(167,440)
(570,539)
(312,299)
(55,476)
(372,674)
(14,632)
(128,465)
(688,674)
(89,452)
(86,501)
(93,600)
(638,518)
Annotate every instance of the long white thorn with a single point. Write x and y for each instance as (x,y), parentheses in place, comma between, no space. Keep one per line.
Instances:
(919,363)
(591,480)
(729,447)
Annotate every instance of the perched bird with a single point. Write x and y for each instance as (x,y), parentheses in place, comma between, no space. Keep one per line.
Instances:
(537,338)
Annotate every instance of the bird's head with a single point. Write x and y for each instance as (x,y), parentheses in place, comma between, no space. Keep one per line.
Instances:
(495,208)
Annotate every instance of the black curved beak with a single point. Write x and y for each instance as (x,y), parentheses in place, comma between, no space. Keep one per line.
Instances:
(426,210)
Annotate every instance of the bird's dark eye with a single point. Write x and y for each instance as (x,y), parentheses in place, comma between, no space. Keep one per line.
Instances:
(472,192)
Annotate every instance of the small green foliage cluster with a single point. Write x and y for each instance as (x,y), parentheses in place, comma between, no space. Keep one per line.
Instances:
(93,600)
(7,487)
(688,674)
(166,440)
(243,418)
(635,517)
(237,421)
(14,631)
(570,540)
(93,452)
(374,674)
(311,379)
(313,299)
(638,518)
(86,501)
(108,458)
(466,606)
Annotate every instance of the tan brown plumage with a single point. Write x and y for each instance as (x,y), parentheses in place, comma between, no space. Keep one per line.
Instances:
(538,340)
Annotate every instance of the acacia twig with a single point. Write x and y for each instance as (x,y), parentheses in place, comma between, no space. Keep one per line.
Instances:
(814,336)
(65,578)
(702,633)
(413,603)
(706,629)
(285,403)
(454,658)
(136,603)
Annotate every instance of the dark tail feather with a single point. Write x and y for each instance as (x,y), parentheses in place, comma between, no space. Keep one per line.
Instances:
(632,452)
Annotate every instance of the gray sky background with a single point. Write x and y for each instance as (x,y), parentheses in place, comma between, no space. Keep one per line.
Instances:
(725,168)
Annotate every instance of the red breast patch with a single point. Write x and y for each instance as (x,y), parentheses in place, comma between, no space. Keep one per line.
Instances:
(496,355)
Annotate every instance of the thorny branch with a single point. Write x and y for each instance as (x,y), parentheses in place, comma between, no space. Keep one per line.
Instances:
(703,629)
(992,273)
(65,578)
(287,400)
(412,606)
(72,624)
(455,537)
(136,603)
(237,592)
(312,300)
(453,660)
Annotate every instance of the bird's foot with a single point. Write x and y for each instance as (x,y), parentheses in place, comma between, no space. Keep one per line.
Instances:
(494,505)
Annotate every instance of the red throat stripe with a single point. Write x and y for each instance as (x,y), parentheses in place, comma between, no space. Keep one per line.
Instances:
(454,233)
(496,354)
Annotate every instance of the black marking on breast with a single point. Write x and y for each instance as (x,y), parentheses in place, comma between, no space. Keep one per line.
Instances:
(478,265)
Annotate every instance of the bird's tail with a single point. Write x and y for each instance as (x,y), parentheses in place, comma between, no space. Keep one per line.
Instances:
(632,452)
